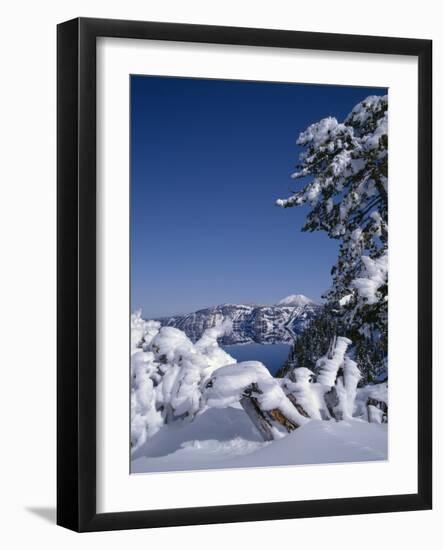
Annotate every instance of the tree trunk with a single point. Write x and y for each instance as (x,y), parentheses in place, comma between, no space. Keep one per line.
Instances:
(297,405)
(251,408)
(331,349)
(266,422)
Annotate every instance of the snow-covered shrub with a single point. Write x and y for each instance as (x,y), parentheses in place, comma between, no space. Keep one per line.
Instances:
(142,331)
(168,372)
(371,403)
(146,419)
(333,391)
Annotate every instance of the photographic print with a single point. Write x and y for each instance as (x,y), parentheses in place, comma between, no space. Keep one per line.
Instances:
(259,274)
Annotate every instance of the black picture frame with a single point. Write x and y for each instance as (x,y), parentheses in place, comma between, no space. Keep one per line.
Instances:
(76,266)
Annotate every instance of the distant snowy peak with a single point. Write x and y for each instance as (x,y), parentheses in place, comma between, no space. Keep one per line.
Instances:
(296,300)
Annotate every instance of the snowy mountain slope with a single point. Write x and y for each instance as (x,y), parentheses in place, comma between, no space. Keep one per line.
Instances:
(251,323)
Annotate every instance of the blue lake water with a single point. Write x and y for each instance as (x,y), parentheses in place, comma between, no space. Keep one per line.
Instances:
(272,356)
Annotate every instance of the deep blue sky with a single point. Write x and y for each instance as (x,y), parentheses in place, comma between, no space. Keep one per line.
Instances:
(208,160)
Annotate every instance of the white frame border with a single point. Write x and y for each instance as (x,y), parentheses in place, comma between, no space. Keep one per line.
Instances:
(117,490)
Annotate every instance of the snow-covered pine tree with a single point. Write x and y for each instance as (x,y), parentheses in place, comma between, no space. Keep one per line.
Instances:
(347,167)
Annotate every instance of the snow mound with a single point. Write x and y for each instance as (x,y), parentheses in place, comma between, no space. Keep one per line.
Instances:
(296,300)
(320,442)
(227,426)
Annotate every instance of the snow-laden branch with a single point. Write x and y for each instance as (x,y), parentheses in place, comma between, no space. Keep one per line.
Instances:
(375,276)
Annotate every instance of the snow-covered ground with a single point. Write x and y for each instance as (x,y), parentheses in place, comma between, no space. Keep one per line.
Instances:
(226,438)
